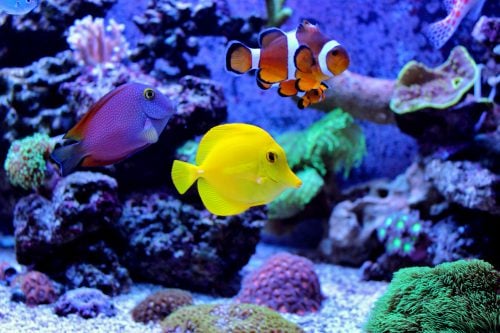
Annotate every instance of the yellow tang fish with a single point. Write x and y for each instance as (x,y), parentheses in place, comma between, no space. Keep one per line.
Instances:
(237,166)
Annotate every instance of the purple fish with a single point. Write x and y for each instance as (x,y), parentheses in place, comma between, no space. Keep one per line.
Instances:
(124,121)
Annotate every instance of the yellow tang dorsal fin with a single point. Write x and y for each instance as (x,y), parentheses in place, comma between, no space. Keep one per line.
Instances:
(215,203)
(77,132)
(224,132)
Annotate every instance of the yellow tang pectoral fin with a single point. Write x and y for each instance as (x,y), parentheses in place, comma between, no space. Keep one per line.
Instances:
(215,203)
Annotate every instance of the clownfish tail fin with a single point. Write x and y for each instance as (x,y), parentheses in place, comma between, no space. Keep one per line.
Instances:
(239,58)
(184,175)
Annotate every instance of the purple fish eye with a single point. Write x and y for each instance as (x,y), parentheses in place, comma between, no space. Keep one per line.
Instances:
(149,94)
(271,156)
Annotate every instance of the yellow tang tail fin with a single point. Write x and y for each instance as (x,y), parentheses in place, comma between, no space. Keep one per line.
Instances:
(184,175)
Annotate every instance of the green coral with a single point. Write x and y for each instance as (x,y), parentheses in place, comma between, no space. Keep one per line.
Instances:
(333,143)
(276,13)
(461,296)
(419,87)
(293,201)
(227,318)
(26,160)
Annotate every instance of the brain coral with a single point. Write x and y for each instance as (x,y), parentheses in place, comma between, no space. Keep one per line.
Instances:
(85,302)
(286,283)
(34,288)
(227,318)
(159,305)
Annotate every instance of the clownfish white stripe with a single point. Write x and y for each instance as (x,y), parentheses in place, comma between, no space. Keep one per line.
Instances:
(322,56)
(293,45)
(255,58)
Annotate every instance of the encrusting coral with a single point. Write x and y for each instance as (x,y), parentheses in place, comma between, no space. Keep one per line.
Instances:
(34,288)
(331,144)
(285,283)
(419,87)
(460,296)
(26,161)
(227,318)
(85,302)
(93,43)
(159,305)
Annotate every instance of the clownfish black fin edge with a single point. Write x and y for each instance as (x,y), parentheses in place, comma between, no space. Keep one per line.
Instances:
(238,58)
(267,36)
(303,59)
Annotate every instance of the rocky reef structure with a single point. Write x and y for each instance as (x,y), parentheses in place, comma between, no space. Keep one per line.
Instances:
(438,299)
(161,304)
(226,318)
(84,302)
(285,283)
(180,245)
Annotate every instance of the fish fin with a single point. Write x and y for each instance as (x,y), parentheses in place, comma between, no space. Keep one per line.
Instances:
(439,32)
(215,203)
(287,88)
(476,10)
(267,36)
(149,133)
(267,76)
(68,157)
(307,26)
(183,175)
(305,84)
(304,59)
(312,96)
(448,5)
(78,131)
(238,58)
(263,85)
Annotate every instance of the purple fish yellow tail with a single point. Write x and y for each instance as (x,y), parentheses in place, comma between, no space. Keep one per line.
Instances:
(184,175)
(238,58)
(439,32)
(68,157)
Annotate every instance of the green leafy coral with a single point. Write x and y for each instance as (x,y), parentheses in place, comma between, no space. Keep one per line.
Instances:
(227,318)
(461,296)
(334,143)
(26,160)
(276,13)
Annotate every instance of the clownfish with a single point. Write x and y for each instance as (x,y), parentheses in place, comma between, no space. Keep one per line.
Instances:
(123,122)
(298,62)
(238,166)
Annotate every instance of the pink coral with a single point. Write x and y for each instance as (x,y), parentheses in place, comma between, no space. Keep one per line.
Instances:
(34,288)
(286,283)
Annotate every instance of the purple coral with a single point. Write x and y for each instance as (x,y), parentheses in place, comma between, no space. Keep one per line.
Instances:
(286,283)
(85,302)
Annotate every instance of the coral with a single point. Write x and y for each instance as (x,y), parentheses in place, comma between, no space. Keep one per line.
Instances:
(226,318)
(293,201)
(26,161)
(171,30)
(352,237)
(486,30)
(82,203)
(169,242)
(419,87)
(95,44)
(34,288)
(461,296)
(161,304)
(465,183)
(85,302)
(286,283)
(24,37)
(276,13)
(407,242)
(363,97)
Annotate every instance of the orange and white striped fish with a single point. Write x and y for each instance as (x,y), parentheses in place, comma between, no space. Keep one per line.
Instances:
(298,62)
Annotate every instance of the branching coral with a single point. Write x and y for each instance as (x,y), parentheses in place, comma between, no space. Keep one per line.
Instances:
(26,161)
(93,43)
(461,296)
(420,87)
(227,318)
(161,304)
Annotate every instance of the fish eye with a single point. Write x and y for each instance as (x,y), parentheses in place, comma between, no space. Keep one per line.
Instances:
(271,156)
(149,93)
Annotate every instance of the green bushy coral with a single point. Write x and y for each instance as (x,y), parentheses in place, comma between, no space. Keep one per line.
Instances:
(26,160)
(226,318)
(461,296)
(333,143)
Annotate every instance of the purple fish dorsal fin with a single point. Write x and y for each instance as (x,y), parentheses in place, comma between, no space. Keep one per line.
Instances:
(78,131)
